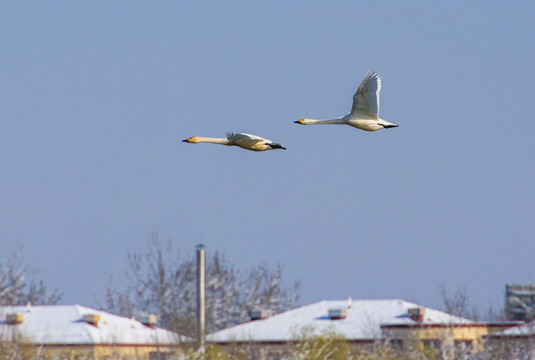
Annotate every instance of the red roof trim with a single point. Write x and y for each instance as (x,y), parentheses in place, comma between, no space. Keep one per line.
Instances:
(436,325)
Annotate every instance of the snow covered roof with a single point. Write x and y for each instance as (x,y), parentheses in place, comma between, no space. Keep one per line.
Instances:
(362,322)
(523,330)
(64,324)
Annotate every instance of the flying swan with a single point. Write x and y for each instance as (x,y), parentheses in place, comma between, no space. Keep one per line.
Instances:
(245,141)
(365,112)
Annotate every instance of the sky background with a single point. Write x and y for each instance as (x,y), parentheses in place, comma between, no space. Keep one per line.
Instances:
(95,98)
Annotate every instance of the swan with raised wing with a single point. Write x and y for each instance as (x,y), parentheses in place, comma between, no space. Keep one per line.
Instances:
(365,112)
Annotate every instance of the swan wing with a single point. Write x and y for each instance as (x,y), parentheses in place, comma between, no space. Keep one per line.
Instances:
(244,136)
(366,99)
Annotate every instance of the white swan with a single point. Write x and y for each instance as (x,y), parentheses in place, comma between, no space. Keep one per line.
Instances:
(245,141)
(365,112)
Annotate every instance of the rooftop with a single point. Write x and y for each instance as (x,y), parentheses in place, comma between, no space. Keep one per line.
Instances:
(363,321)
(517,331)
(65,324)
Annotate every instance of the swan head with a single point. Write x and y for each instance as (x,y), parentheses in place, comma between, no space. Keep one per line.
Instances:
(302,122)
(192,140)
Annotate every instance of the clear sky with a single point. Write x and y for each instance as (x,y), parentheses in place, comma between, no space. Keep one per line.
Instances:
(96,96)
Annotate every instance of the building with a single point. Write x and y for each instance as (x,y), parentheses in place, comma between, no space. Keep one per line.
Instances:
(74,331)
(514,343)
(453,339)
(520,302)
(362,323)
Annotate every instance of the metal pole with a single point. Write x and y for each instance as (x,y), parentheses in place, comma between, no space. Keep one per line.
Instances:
(201,263)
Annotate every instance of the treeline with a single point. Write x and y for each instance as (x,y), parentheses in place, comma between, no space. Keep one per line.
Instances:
(19,287)
(161,282)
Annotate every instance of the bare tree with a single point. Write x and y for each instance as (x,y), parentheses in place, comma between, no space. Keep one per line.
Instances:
(459,304)
(163,284)
(456,304)
(16,287)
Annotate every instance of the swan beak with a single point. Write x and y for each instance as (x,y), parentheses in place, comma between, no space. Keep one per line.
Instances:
(298,121)
(187,140)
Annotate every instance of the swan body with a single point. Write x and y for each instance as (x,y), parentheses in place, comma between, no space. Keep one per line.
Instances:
(364,114)
(245,141)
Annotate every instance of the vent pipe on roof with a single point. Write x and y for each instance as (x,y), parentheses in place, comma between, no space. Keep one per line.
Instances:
(259,314)
(337,314)
(92,319)
(149,320)
(416,314)
(14,319)
(200,294)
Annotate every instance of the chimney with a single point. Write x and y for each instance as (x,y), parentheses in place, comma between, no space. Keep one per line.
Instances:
(149,320)
(92,319)
(417,314)
(14,319)
(259,314)
(200,294)
(337,314)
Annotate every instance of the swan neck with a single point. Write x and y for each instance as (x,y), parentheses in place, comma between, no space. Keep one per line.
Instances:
(222,141)
(327,121)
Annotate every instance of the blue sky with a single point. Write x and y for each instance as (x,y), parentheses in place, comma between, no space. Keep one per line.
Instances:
(96,96)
